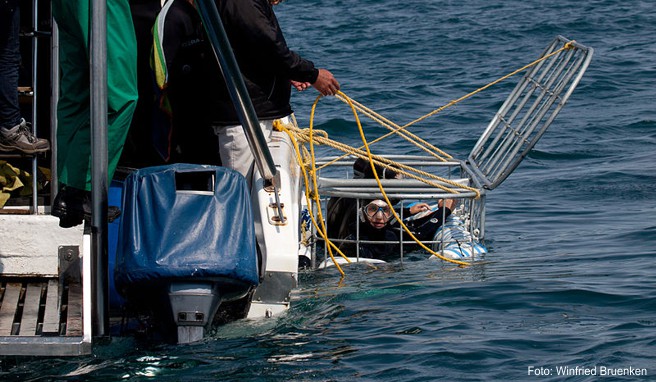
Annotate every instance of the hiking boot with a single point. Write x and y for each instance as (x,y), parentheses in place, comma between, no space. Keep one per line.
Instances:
(72,206)
(20,138)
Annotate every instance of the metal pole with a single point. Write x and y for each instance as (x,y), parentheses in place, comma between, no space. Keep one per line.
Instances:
(236,87)
(35,99)
(54,80)
(98,61)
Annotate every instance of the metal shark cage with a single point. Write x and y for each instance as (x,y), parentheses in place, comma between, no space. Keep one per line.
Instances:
(512,133)
(470,205)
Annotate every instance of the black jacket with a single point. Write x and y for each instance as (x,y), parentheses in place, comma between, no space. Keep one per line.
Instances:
(194,83)
(387,251)
(264,59)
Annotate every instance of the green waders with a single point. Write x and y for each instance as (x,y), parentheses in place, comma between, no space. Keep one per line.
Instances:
(73,111)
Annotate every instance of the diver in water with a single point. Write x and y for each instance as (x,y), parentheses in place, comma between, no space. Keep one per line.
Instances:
(373,225)
(375,221)
(342,211)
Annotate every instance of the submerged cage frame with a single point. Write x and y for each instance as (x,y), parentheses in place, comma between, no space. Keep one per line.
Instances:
(332,183)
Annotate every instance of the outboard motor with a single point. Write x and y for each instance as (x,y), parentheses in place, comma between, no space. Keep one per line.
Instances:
(186,245)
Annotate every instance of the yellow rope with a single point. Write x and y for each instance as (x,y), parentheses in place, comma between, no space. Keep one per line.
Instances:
(396,129)
(309,136)
(567,46)
(304,135)
(321,230)
(382,191)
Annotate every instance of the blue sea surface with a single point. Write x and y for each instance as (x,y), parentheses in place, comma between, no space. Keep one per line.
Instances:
(569,285)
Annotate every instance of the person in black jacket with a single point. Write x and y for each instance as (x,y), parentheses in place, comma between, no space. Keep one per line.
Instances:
(378,232)
(269,68)
(185,67)
(373,226)
(341,210)
(186,71)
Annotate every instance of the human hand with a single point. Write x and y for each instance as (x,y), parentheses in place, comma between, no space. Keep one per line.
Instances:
(448,203)
(419,207)
(326,83)
(300,86)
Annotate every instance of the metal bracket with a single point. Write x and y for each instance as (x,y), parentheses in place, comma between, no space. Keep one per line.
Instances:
(69,263)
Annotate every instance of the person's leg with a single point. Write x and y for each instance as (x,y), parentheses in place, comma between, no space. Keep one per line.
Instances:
(234,149)
(73,133)
(9,64)
(73,109)
(73,201)
(122,90)
(15,132)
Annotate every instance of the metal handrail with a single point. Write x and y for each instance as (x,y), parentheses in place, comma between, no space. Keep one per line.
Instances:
(99,162)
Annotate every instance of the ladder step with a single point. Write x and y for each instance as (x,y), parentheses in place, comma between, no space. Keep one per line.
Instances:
(74,316)
(51,314)
(40,307)
(40,316)
(31,305)
(8,309)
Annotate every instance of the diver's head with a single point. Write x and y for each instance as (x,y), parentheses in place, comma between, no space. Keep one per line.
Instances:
(377,213)
(362,170)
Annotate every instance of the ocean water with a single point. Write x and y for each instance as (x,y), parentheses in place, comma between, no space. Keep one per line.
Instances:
(569,284)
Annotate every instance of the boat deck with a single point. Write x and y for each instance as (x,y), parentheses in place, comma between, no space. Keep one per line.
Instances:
(38,316)
(41,288)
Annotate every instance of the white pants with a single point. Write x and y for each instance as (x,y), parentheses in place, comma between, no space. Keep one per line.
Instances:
(234,150)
